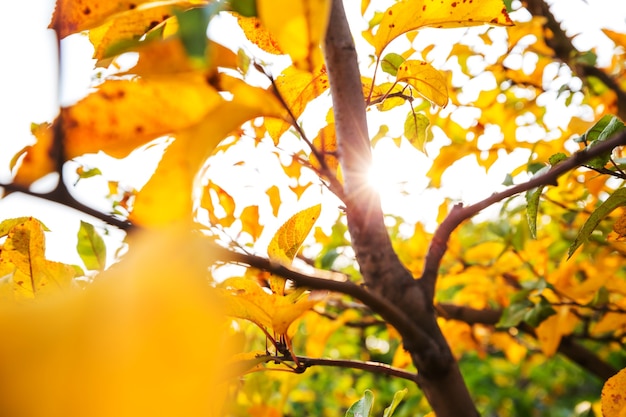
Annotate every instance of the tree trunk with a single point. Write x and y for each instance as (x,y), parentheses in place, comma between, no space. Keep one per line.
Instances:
(438,373)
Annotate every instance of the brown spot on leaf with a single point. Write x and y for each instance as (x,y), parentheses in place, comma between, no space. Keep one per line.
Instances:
(390,12)
(132,6)
(139,130)
(453,4)
(86,10)
(424,8)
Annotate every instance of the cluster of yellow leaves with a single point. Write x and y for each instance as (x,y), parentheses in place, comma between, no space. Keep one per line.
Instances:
(274,311)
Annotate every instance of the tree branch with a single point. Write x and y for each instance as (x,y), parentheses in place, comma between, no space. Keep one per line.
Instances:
(568,347)
(459,213)
(566,53)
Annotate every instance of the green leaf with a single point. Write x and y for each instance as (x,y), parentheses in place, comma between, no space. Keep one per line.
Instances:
(397,397)
(615,200)
(515,313)
(91,247)
(192,27)
(363,407)
(391,62)
(532,203)
(604,129)
(540,311)
(246,8)
(556,158)
(416,130)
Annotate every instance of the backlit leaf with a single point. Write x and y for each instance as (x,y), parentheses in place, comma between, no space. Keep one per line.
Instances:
(426,80)
(613,398)
(409,15)
(274,194)
(416,130)
(297,88)
(397,398)
(91,247)
(117,35)
(363,407)
(391,62)
(33,275)
(615,200)
(286,242)
(250,222)
(298,27)
(75,16)
(124,114)
(38,159)
(259,35)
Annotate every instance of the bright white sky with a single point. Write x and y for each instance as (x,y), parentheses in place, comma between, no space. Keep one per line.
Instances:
(28,93)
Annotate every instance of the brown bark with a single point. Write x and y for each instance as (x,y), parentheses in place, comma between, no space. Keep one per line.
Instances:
(438,373)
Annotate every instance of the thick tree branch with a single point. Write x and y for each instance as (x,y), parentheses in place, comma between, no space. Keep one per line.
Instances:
(459,213)
(383,273)
(568,347)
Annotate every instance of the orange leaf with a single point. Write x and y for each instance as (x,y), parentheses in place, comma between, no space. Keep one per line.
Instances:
(409,15)
(274,194)
(37,161)
(326,144)
(614,395)
(258,34)
(124,114)
(72,16)
(250,221)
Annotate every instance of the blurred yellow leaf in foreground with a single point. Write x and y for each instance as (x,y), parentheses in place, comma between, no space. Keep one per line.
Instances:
(145,339)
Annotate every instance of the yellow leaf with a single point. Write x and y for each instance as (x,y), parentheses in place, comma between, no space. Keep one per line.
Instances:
(286,312)
(297,88)
(170,57)
(109,38)
(409,15)
(613,395)
(23,253)
(167,196)
(610,322)
(250,222)
(326,144)
(38,158)
(258,34)
(287,241)
(428,81)
(298,189)
(225,200)
(298,27)
(274,194)
(146,338)
(245,299)
(551,330)
(124,114)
